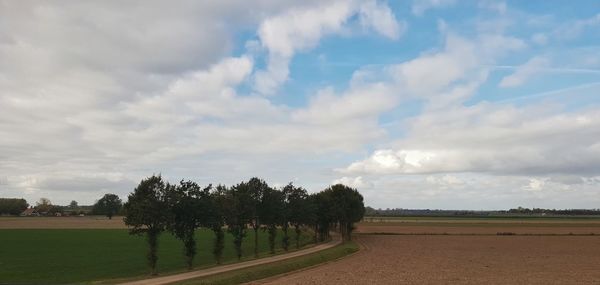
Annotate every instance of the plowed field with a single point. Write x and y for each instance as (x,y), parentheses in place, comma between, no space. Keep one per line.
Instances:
(429,259)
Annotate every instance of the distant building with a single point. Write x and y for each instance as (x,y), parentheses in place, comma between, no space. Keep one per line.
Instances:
(30,212)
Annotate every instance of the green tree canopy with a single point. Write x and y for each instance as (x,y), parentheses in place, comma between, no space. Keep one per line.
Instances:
(10,206)
(108,205)
(146,212)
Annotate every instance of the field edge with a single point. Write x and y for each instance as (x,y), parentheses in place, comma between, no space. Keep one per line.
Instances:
(272,270)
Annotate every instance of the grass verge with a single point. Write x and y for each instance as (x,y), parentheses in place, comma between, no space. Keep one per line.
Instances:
(276,268)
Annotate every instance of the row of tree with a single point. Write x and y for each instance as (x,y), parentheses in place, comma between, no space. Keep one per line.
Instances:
(569,212)
(109,205)
(10,206)
(156,206)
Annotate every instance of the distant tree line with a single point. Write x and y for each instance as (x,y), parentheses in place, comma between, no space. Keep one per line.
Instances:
(372,212)
(109,205)
(156,206)
(568,212)
(399,212)
(10,206)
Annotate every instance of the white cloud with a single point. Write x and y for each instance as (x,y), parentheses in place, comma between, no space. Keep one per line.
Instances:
(524,72)
(356,182)
(535,184)
(95,96)
(494,5)
(452,137)
(492,139)
(300,29)
(539,38)
(356,104)
(574,29)
(437,72)
(420,6)
(476,191)
(445,181)
(567,179)
(382,19)
(146,91)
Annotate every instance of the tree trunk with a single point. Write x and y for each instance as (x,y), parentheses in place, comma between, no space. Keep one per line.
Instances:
(219,243)
(238,236)
(285,241)
(298,232)
(272,236)
(190,250)
(349,227)
(255,241)
(153,246)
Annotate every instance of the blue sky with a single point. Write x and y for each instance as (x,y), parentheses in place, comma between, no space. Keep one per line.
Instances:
(418,104)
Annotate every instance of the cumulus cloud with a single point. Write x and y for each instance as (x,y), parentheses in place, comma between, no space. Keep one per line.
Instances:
(490,139)
(478,191)
(437,72)
(450,136)
(354,182)
(524,72)
(300,29)
(145,91)
(381,18)
(356,104)
(95,96)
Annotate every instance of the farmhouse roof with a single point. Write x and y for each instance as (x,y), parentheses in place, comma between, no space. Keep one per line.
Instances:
(28,212)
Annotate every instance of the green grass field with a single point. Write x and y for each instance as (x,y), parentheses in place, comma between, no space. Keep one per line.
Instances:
(59,256)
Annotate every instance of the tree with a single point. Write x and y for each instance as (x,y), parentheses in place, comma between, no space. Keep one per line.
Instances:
(270,211)
(73,205)
(109,205)
(256,189)
(298,210)
(215,220)
(238,213)
(322,203)
(12,206)
(43,205)
(188,206)
(146,213)
(347,207)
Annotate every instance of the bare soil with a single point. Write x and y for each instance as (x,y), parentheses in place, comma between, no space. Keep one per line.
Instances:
(430,259)
(88,222)
(540,228)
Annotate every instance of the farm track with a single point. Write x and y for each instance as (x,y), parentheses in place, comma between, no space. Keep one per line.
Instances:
(389,259)
(231,267)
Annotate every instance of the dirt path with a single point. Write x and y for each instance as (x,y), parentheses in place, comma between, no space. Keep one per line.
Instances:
(460,260)
(224,268)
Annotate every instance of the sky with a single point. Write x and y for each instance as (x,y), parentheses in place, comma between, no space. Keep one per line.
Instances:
(438,104)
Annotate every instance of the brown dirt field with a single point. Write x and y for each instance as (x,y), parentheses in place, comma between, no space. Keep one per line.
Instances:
(387,259)
(88,222)
(480,228)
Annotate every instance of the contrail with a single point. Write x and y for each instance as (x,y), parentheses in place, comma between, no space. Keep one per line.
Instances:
(553,92)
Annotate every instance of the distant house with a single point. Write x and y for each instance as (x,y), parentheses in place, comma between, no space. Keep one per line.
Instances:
(30,212)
